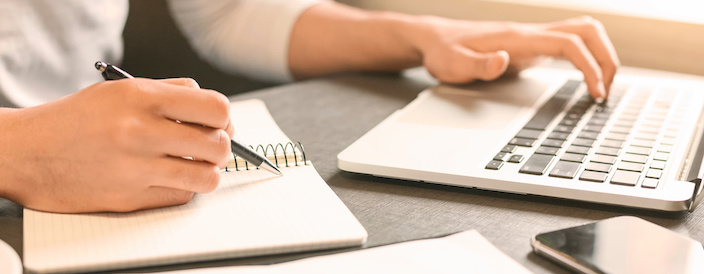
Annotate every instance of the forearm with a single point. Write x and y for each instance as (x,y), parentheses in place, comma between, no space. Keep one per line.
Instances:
(331,37)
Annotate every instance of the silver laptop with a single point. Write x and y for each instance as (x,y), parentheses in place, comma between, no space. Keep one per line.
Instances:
(542,134)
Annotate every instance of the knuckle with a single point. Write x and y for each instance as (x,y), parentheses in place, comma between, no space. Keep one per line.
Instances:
(210,179)
(221,106)
(611,67)
(222,103)
(129,129)
(223,147)
(177,197)
(587,19)
(190,82)
(572,39)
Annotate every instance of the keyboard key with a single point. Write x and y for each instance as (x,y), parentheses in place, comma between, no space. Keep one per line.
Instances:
(547,150)
(563,128)
(593,128)
(597,121)
(643,143)
(494,164)
(547,112)
(558,135)
(657,164)
(630,166)
(571,157)
(578,150)
(509,148)
(660,156)
(529,133)
(553,143)
(564,169)
(588,135)
(645,136)
(569,122)
(574,114)
(616,136)
(612,143)
(501,156)
(638,150)
(516,158)
(598,167)
(620,129)
(652,130)
(623,177)
(664,148)
(605,159)
(522,142)
(653,173)
(629,123)
(583,142)
(537,164)
(633,158)
(607,151)
(593,176)
(650,183)
(667,141)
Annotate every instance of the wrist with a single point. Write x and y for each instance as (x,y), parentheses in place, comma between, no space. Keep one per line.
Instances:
(332,37)
(403,30)
(14,169)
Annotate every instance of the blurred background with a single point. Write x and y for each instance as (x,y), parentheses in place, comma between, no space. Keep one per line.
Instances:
(656,34)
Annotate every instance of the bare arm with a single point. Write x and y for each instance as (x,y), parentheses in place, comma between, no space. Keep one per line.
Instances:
(331,37)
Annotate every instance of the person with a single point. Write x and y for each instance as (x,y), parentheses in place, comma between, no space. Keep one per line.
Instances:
(79,144)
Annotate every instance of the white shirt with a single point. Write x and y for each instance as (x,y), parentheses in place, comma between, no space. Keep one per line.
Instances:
(48,48)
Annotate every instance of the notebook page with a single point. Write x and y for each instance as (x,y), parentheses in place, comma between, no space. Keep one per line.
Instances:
(251,213)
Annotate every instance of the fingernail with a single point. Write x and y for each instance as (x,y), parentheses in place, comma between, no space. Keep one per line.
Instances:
(498,63)
(601,89)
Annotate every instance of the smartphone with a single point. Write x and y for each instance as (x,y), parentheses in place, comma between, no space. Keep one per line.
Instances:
(621,245)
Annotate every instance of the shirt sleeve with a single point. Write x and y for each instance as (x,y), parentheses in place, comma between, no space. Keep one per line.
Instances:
(247,37)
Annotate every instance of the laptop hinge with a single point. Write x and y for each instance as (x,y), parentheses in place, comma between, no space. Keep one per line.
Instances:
(693,163)
(696,195)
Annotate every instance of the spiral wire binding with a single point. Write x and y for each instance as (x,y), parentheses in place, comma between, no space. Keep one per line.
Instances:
(278,150)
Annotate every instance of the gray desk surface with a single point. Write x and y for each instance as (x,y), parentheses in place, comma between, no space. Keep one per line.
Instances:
(328,114)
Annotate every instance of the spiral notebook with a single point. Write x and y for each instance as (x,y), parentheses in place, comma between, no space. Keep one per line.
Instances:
(251,213)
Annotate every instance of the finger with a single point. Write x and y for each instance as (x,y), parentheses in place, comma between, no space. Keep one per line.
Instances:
(230,129)
(156,197)
(596,39)
(462,65)
(179,140)
(203,107)
(572,47)
(183,174)
(187,82)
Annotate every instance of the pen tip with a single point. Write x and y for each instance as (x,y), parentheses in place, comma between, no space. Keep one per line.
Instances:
(268,166)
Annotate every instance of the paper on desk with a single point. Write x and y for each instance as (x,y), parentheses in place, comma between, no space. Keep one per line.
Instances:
(465,252)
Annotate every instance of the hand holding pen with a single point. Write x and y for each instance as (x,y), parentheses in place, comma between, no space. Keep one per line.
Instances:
(111,72)
(114,146)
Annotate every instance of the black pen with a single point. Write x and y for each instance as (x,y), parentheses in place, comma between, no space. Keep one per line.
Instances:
(111,72)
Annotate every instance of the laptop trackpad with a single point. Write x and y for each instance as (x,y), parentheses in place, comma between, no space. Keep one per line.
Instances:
(489,106)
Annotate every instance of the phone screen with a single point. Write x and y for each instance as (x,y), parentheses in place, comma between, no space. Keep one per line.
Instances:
(622,245)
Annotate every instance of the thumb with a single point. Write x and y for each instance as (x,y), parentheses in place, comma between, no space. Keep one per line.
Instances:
(462,65)
(487,66)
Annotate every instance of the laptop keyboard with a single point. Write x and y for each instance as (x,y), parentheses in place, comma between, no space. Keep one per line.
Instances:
(625,140)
